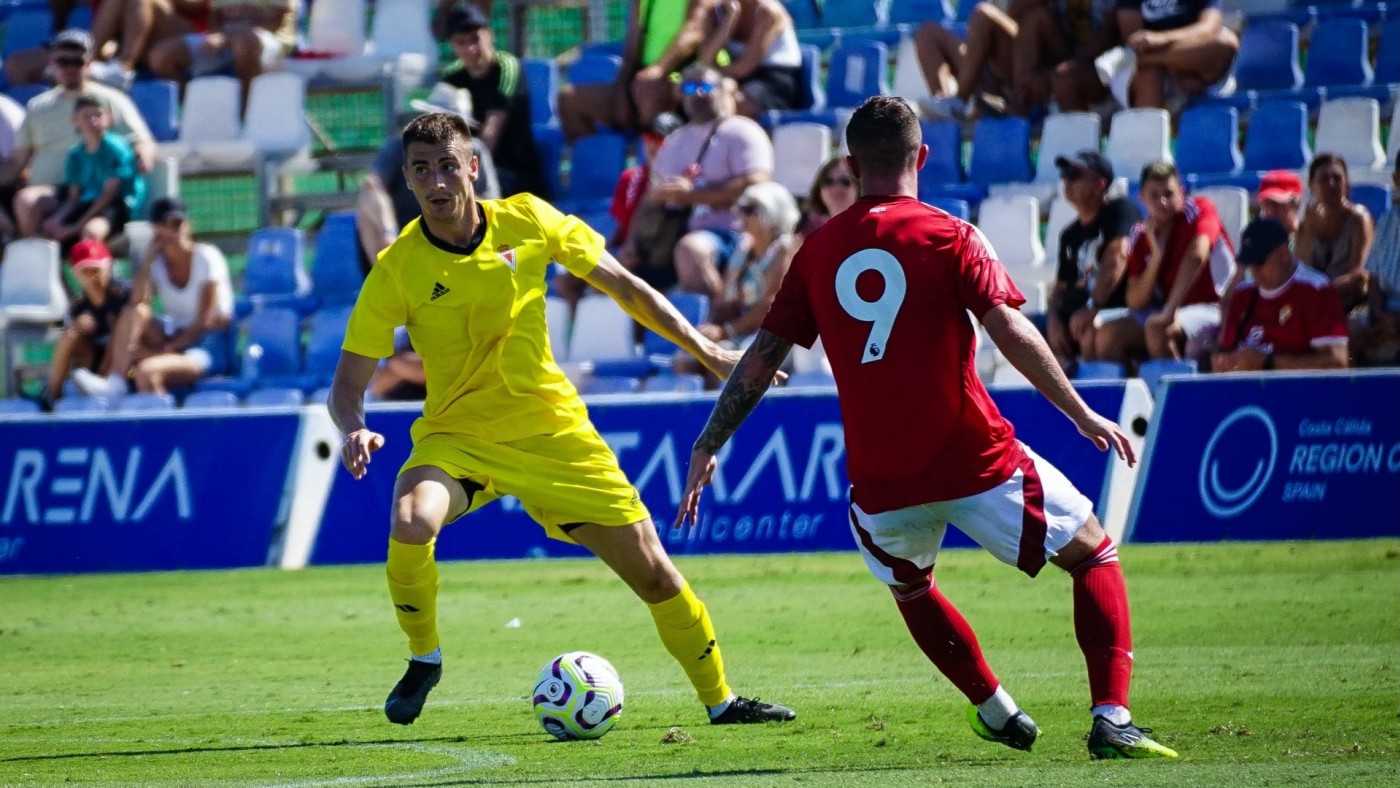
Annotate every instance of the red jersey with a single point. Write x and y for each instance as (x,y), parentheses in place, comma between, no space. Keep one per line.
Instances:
(1302,314)
(887,284)
(1198,217)
(627,195)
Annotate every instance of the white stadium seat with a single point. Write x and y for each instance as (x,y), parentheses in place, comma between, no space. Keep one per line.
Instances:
(1138,137)
(1062,215)
(274,125)
(1011,222)
(210,114)
(602,331)
(799,149)
(1352,127)
(1232,203)
(1063,133)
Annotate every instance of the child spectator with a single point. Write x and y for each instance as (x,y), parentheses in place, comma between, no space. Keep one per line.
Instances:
(102,182)
(91,317)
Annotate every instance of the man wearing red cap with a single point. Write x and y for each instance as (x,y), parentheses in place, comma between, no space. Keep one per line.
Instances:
(91,316)
(1280,197)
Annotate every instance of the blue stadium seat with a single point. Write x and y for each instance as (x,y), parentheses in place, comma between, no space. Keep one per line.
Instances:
(1152,371)
(549,142)
(602,48)
(1375,197)
(1388,55)
(810,94)
(667,382)
(594,68)
(915,12)
(596,162)
(694,307)
(1001,151)
(942,175)
(1268,58)
(542,76)
(23,93)
(1098,370)
(145,401)
(211,400)
(848,13)
(804,14)
(856,72)
(323,345)
(273,355)
(335,271)
(276,269)
(18,407)
(1337,54)
(275,398)
(82,405)
(1277,138)
(611,384)
(953,206)
(601,220)
(1207,141)
(158,101)
(27,28)
(814,379)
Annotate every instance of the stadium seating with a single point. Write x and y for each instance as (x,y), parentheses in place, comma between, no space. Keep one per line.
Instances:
(1062,133)
(856,72)
(69,405)
(158,101)
(275,398)
(1277,138)
(810,93)
(1001,151)
(1388,54)
(26,28)
(323,344)
(952,206)
(1375,197)
(401,28)
(1153,371)
(913,12)
(596,162)
(144,401)
(32,298)
(18,407)
(1337,54)
(694,307)
(276,271)
(560,325)
(1098,370)
(1268,59)
(1232,203)
(1392,146)
(799,149)
(274,125)
(594,67)
(610,384)
(666,382)
(210,400)
(813,379)
(335,271)
(908,80)
(335,29)
(1062,215)
(210,115)
(542,76)
(602,332)
(273,355)
(1352,127)
(1207,141)
(1012,223)
(943,166)
(1137,137)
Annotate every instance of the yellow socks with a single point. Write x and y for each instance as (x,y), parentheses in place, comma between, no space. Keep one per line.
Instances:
(413,586)
(686,631)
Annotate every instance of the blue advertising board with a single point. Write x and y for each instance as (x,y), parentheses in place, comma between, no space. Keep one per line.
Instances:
(141,493)
(781,485)
(1272,456)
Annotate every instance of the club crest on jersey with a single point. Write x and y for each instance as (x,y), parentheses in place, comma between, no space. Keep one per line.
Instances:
(507,255)
(1285,313)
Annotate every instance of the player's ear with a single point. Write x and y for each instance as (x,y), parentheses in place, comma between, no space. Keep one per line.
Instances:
(923,157)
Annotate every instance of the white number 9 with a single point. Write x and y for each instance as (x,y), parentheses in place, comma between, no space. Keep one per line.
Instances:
(881,312)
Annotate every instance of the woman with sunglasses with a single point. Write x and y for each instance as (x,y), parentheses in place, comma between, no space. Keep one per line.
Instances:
(833,191)
(768,216)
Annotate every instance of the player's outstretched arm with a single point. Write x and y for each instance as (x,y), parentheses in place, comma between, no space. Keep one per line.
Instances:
(751,379)
(1020,342)
(653,311)
(347,407)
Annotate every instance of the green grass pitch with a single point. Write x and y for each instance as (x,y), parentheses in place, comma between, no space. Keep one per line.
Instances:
(1263,664)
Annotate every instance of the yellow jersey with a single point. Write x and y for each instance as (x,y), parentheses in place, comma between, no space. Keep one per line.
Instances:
(477,317)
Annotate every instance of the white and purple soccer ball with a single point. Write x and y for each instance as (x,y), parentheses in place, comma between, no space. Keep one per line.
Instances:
(578,696)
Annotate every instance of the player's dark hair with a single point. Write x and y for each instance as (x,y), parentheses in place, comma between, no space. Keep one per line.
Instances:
(884,136)
(88,101)
(1161,171)
(435,128)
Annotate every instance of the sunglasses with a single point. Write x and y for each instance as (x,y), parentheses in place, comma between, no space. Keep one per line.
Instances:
(747,209)
(841,181)
(697,88)
(69,62)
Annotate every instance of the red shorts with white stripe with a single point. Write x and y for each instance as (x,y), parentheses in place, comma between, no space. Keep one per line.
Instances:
(1022,521)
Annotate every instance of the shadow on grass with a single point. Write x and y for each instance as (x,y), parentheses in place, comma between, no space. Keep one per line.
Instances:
(215,748)
(497,779)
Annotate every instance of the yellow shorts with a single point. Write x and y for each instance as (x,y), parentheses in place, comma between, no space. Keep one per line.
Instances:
(560,479)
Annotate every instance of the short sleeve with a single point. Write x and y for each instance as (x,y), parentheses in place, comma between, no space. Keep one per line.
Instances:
(379,309)
(1327,323)
(127,121)
(750,150)
(72,166)
(1138,250)
(1207,221)
(983,282)
(123,159)
(790,315)
(1234,313)
(1120,217)
(571,242)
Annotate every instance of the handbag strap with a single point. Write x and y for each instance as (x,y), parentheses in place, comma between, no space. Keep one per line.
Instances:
(708,139)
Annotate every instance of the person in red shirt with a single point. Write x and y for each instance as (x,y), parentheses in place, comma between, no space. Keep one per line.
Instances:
(887,286)
(1178,261)
(1287,317)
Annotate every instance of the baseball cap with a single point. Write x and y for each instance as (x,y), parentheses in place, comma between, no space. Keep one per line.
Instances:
(1280,186)
(167,208)
(447,98)
(89,253)
(1259,240)
(465,16)
(1087,159)
(72,38)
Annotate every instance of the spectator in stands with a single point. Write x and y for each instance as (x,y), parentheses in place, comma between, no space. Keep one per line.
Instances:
(1090,278)
(1091,27)
(1175,259)
(1181,44)
(833,191)
(1280,197)
(1008,57)
(753,42)
(385,203)
(91,317)
(11,118)
(1286,317)
(1376,333)
(102,182)
(1335,234)
(444,8)
(500,101)
(188,341)
(47,133)
(249,36)
(662,37)
(769,240)
(632,184)
(699,173)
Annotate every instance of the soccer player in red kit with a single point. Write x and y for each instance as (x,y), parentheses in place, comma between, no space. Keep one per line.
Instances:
(887,286)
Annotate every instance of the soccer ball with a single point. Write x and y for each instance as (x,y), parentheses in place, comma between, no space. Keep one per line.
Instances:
(578,696)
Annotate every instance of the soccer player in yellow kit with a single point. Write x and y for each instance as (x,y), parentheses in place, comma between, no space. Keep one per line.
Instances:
(468,281)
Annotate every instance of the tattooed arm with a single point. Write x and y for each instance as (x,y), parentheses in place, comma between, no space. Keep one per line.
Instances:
(751,378)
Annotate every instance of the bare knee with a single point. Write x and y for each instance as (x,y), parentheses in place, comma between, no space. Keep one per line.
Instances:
(413,528)
(1082,545)
(695,264)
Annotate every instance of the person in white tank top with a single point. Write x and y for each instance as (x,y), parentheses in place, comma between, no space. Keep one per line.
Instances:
(185,342)
(759,40)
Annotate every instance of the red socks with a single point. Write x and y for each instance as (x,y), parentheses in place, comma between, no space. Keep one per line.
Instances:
(1103,625)
(948,641)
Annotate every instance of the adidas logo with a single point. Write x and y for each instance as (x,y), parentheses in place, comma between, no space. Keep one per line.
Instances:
(439,290)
